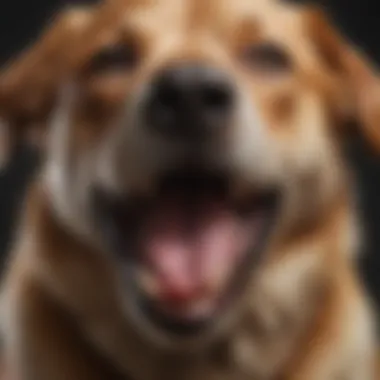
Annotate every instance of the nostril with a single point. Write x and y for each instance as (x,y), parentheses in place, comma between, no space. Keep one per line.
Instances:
(168,97)
(216,98)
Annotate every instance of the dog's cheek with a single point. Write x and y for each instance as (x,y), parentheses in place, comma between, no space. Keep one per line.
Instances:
(252,149)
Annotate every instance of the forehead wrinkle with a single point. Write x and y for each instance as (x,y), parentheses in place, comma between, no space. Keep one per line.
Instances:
(273,17)
(201,14)
(156,17)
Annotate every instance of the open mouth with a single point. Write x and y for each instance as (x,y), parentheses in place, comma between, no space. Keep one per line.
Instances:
(191,248)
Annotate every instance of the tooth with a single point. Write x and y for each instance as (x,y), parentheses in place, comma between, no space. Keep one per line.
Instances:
(148,283)
(219,277)
(200,308)
(204,307)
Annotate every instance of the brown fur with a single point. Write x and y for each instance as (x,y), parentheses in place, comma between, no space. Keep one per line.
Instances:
(305,315)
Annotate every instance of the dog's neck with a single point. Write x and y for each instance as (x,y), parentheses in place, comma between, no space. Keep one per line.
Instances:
(284,302)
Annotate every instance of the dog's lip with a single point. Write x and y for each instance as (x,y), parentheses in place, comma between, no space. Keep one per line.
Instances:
(123,218)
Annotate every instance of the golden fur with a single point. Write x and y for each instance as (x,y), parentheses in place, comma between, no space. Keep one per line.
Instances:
(304,314)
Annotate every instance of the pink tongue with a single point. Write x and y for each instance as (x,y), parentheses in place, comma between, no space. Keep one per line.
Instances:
(192,251)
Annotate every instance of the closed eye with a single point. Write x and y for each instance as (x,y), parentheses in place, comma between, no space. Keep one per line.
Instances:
(119,57)
(266,58)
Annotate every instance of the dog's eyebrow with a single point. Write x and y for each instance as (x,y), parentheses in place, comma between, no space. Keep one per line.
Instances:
(247,30)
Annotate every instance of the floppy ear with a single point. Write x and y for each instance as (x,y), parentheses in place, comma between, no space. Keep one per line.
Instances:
(356,81)
(29,84)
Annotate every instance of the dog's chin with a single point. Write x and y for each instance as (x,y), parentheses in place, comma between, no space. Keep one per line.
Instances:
(187,253)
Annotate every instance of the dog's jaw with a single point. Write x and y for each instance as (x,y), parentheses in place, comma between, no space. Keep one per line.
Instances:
(275,303)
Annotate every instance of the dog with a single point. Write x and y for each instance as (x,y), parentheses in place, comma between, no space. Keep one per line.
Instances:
(194,216)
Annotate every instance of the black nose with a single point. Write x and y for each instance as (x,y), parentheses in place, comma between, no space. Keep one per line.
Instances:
(190,101)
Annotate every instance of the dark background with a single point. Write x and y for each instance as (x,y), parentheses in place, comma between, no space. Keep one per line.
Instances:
(20,23)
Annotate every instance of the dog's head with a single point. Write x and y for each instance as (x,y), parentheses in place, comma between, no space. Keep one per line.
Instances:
(185,138)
